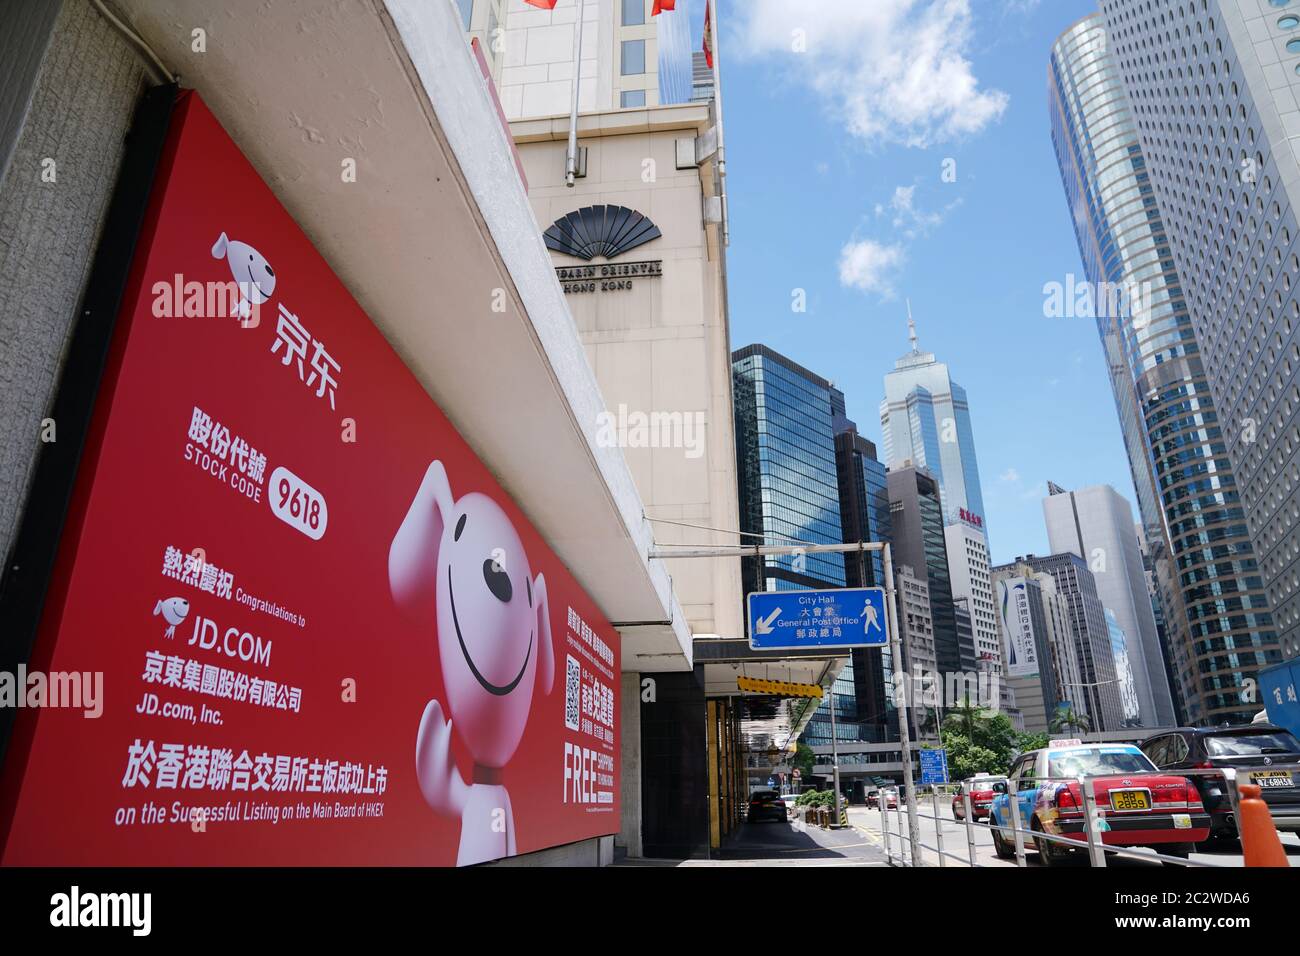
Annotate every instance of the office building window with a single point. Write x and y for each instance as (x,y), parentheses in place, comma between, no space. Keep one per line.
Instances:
(633,98)
(633,57)
(633,13)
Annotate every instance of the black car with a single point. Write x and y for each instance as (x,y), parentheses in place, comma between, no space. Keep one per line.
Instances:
(1272,753)
(766,805)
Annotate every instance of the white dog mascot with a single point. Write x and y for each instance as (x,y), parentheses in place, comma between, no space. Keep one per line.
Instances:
(252,273)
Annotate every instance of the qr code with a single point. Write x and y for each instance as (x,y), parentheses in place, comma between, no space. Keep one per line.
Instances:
(572,690)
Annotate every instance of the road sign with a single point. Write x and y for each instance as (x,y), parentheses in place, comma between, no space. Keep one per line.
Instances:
(934,767)
(795,620)
(1281,686)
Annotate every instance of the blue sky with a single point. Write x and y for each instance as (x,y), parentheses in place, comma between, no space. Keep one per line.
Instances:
(835,162)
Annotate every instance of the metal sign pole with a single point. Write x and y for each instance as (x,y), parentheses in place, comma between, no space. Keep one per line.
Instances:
(835,757)
(904,735)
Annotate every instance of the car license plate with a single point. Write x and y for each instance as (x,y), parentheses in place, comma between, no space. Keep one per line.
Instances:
(1130,800)
(1271,779)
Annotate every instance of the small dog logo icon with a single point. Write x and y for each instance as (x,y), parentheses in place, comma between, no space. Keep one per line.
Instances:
(174,610)
(251,271)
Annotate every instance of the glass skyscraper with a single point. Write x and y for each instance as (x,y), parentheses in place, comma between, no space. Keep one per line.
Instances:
(1218,136)
(1220,628)
(807,475)
(925,419)
(918,541)
(864,512)
(789,482)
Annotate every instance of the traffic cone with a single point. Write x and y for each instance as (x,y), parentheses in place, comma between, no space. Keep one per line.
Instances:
(1260,844)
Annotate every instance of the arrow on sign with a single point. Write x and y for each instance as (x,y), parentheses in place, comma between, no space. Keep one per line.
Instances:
(764,625)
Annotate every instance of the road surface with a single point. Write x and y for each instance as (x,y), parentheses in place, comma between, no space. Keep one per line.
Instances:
(954,834)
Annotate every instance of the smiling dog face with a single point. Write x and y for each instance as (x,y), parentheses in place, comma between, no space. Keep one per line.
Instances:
(459,566)
(249,268)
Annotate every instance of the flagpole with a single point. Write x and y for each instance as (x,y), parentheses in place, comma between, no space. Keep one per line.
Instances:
(717,106)
(571,157)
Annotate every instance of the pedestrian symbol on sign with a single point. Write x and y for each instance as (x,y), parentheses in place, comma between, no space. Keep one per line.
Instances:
(871,618)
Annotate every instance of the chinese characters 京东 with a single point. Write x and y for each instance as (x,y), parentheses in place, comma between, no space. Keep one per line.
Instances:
(290,332)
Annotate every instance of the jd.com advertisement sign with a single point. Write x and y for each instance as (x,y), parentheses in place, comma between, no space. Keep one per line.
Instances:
(327,635)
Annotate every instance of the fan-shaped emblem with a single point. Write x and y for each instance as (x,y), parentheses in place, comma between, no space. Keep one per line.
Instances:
(606,231)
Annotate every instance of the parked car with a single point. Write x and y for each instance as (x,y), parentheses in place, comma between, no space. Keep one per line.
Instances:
(1272,753)
(766,805)
(982,791)
(1138,804)
(891,799)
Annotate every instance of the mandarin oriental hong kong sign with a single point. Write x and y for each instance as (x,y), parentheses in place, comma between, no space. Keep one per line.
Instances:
(607,277)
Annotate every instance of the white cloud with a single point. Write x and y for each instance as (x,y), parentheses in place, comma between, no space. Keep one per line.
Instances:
(1010,476)
(893,71)
(870,266)
(910,220)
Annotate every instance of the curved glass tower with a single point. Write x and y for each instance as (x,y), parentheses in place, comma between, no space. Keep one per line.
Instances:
(1220,629)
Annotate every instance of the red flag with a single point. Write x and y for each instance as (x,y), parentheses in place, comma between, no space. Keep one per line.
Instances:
(663,5)
(544,4)
(708,35)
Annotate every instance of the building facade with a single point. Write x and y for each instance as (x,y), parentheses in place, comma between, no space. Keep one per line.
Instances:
(918,542)
(925,421)
(1024,626)
(864,516)
(1178,440)
(1077,589)
(968,563)
(1097,524)
(1239,276)
(917,624)
(630,59)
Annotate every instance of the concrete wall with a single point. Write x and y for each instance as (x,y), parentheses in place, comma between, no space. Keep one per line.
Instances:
(598,851)
(629,838)
(537,59)
(80,107)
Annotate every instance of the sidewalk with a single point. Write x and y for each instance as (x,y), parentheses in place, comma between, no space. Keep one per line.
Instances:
(787,844)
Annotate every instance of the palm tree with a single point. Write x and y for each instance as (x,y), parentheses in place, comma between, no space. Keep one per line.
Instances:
(965,716)
(1066,720)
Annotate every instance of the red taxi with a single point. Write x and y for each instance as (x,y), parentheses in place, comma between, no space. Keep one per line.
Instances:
(982,790)
(1137,804)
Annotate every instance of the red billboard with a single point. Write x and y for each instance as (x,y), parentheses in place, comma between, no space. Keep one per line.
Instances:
(325,634)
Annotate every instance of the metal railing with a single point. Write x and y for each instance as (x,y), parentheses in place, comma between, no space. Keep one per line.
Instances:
(1095,820)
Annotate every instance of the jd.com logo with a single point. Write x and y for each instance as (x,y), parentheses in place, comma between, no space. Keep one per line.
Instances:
(251,284)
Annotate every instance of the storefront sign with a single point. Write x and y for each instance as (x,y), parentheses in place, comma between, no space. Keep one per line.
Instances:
(610,277)
(327,636)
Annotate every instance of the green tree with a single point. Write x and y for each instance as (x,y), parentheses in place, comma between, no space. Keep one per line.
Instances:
(979,741)
(1028,742)
(965,717)
(804,759)
(1066,720)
